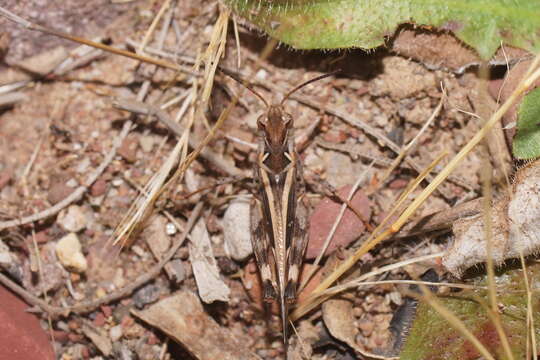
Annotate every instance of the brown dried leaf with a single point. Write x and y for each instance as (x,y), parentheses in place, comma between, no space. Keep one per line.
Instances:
(205,269)
(182,317)
(338,316)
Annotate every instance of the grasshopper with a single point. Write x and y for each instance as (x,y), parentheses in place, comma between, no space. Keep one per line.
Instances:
(278,214)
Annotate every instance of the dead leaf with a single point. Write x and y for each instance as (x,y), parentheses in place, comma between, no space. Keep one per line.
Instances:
(516,224)
(205,269)
(182,317)
(99,338)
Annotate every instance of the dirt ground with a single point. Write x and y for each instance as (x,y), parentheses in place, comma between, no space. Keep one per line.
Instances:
(67,124)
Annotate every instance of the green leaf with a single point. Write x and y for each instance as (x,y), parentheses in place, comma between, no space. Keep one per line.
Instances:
(526,143)
(431,337)
(331,24)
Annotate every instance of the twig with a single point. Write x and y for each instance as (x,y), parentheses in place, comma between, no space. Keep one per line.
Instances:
(153,25)
(79,192)
(146,109)
(32,26)
(88,306)
(12,98)
(352,152)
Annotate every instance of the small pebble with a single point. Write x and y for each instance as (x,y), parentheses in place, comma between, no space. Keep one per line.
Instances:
(72,183)
(72,219)
(146,295)
(177,270)
(170,229)
(236,230)
(68,250)
(115,332)
(146,142)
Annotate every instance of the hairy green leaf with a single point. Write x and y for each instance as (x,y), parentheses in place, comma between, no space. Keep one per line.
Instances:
(331,24)
(526,143)
(431,337)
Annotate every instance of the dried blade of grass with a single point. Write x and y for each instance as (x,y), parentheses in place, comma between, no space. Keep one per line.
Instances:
(195,153)
(237,39)
(213,53)
(374,238)
(418,282)
(486,175)
(32,26)
(317,298)
(530,76)
(153,26)
(531,333)
(371,242)
(140,208)
(454,321)
(344,206)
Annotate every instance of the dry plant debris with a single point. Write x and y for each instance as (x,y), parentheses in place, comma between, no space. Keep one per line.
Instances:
(182,317)
(84,131)
(515,223)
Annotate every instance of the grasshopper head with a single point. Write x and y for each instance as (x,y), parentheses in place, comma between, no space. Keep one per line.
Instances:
(275,124)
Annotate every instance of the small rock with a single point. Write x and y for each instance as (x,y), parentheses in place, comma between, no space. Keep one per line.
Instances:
(115,333)
(58,191)
(176,270)
(366,326)
(170,229)
(98,188)
(99,338)
(22,336)
(147,143)
(68,250)
(236,230)
(146,295)
(226,265)
(128,149)
(156,236)
(44,62)
(82,167)
(6,258)
(72,183)
(73,219)
(99,320)
(350,227)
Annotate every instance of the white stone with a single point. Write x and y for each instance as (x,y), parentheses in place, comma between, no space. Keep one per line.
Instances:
(147,143)
(72,219)
(170,229)
(236,230)
(68,250)
(115,333)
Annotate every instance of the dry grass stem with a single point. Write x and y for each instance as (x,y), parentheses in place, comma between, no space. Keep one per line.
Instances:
(370,243)
(344,206)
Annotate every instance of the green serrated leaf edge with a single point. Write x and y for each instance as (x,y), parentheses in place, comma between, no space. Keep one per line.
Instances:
(332,24)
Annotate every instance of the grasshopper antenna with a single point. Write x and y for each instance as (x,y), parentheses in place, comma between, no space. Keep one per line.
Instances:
(244,84)
(298,87)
